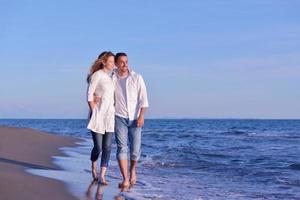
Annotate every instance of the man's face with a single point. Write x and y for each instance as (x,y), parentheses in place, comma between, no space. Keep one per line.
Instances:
(122,63)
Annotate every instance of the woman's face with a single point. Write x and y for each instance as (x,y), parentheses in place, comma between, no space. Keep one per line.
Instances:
(109,65)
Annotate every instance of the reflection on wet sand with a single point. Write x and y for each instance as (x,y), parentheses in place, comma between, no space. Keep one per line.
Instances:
(98,195)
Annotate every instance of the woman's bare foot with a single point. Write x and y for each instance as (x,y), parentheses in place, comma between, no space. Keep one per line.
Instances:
(95,175)
(94,171)
(102,181)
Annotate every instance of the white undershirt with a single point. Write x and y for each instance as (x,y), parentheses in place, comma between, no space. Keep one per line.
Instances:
(121,97)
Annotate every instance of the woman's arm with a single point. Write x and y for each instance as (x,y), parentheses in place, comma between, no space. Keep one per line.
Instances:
(91,90)
(92,105)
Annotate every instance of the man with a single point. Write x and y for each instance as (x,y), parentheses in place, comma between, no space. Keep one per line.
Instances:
(130,103)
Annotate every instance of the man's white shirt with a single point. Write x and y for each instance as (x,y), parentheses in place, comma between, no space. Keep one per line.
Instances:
(130,95)
(121,105)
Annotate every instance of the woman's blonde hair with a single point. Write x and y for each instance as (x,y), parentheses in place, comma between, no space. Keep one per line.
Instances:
(99,63)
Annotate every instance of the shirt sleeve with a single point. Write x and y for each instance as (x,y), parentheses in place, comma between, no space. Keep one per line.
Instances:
(143,98)
(92,86)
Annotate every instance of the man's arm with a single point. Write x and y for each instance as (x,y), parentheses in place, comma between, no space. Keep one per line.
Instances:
(141,118)
(143,101)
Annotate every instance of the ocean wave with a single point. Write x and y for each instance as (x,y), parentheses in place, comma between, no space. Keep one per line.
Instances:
(235,132)
(157,161)
(216,155)
(295,166)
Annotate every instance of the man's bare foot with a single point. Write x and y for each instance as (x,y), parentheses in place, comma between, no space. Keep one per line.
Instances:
(124,184)
(124,189)
(132,178)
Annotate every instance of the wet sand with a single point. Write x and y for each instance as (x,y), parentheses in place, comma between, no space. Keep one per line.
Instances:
(24,148)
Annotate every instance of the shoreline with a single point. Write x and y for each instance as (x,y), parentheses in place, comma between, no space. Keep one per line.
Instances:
(76,174)
(25,148)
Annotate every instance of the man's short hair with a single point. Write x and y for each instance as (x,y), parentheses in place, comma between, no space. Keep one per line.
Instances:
(119,55)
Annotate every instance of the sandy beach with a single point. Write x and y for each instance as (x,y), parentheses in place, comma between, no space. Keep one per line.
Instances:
(23,148)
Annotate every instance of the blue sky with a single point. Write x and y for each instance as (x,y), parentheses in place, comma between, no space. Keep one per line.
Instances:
(200,59)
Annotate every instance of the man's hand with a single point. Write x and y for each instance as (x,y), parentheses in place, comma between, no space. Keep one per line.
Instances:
(140,121)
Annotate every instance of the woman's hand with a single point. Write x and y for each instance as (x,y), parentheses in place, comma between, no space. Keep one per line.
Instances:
(92,105)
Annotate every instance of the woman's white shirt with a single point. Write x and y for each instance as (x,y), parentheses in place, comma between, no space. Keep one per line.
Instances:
(103,115)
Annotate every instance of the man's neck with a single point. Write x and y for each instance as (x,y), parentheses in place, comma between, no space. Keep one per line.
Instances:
(123,74)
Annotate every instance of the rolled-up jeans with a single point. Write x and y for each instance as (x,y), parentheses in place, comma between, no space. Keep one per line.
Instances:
(127,131)
(102,143)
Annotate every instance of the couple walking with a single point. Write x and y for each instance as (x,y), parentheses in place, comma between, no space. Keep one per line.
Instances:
(117,100)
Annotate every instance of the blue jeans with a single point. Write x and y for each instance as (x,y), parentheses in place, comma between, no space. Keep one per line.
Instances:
(102,143)
(125,130)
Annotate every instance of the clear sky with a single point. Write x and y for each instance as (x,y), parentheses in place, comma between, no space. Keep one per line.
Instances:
(200,59)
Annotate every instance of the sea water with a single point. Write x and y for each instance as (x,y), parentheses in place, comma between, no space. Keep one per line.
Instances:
(190,158)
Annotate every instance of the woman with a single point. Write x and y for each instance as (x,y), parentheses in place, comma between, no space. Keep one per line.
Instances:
(102,111)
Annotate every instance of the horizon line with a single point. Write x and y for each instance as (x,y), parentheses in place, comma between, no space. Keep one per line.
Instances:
(165,118)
